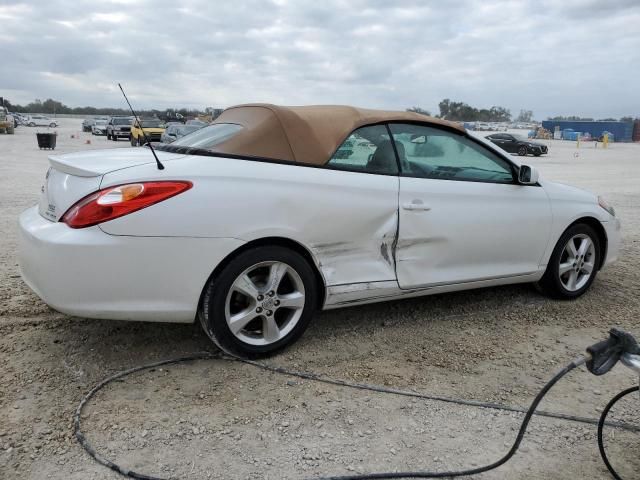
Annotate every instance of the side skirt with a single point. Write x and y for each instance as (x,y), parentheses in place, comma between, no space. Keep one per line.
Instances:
(353,294)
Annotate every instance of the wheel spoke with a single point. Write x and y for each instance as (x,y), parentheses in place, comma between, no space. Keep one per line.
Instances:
(270,330)
(571,249)
(293,300)
(276,274)
(587,267)
(565,267)
(584,246)
(573,279)
(246,286)
(240,320)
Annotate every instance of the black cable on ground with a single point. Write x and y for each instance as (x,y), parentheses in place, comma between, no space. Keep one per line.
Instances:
(314,377)
(601,425)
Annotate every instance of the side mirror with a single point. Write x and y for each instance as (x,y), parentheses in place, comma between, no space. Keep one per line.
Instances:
(527,175)
(418,139)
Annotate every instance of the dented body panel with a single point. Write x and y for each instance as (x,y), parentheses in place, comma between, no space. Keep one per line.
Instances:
(347,221)
(468,231)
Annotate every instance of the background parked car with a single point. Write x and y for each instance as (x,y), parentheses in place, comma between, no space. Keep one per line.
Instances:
(41,121)
(176,131)
(153,130)
(118,127)
(99,127)
(196,121)
(517,144)
(87,124)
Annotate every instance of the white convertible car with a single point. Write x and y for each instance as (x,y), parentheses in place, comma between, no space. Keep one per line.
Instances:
(273,212)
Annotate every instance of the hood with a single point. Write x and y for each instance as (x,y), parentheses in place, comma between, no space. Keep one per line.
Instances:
(153,129)
(561,191)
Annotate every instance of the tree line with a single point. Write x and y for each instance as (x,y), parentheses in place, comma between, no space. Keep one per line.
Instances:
(449,110)
(460,111)
(52,107)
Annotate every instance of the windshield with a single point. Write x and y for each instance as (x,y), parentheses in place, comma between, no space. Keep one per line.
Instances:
(210,136)
(151,122)
(122,121)
(101,122)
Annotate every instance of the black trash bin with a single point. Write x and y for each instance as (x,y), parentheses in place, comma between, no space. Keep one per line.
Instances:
(47,140)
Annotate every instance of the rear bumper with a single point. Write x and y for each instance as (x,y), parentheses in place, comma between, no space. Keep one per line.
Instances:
(89,273)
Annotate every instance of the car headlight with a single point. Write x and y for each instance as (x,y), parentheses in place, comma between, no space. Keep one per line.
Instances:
(602,202)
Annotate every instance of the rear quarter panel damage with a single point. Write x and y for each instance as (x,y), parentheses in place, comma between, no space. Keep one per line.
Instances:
(348,221)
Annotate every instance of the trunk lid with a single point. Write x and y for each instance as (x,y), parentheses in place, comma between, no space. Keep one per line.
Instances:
(73,176)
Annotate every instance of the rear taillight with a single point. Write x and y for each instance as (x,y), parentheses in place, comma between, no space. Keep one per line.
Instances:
(114,202)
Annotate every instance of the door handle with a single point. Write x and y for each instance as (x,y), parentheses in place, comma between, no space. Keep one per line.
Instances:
(416,205)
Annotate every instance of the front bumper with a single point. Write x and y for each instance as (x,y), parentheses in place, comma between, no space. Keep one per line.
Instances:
(89,273)
(120,133)
(613,229)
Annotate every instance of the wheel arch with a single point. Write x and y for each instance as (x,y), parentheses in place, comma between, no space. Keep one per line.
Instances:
(272,241)
(600,231)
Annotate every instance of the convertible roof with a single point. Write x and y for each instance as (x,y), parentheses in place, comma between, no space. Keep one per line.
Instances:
(309,134)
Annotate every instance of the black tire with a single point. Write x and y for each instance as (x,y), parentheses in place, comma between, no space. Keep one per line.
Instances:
(52,125)
(537,154)
(212,309)
(31,124)
(522,151)
(550,284)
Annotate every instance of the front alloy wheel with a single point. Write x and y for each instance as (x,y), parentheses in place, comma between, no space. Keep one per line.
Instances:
(260,302)
(577,262)
(573,264)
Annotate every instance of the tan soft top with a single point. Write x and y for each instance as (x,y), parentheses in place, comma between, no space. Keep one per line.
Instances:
(309,134)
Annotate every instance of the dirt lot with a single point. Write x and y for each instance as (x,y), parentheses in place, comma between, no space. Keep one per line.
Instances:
(218,420)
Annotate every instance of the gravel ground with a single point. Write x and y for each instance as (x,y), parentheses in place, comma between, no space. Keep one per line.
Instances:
(212,419)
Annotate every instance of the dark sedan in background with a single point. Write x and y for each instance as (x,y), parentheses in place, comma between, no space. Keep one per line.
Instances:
(518,144)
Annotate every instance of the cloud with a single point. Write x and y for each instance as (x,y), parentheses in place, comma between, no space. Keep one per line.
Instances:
(570,57)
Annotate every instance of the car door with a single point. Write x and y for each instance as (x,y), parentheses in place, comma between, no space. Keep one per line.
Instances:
(510,144)
(462,216)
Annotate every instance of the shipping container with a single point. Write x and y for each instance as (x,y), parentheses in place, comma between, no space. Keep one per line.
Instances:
(636,130)
(622,131)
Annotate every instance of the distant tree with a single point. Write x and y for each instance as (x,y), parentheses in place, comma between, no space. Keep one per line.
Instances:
(460,111)
(626,119)
(572,118)
(419,110)
(525,116)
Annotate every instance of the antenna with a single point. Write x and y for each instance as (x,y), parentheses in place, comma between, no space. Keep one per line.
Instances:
(146,141)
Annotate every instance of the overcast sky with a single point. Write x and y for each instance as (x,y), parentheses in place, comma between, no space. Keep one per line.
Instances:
(552,57)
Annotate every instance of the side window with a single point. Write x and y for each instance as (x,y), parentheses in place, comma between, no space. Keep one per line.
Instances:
(428,152)
(368,150)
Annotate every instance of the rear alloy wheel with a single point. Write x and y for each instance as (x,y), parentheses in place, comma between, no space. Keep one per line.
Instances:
(573,265)
(522,151)
(262,301)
